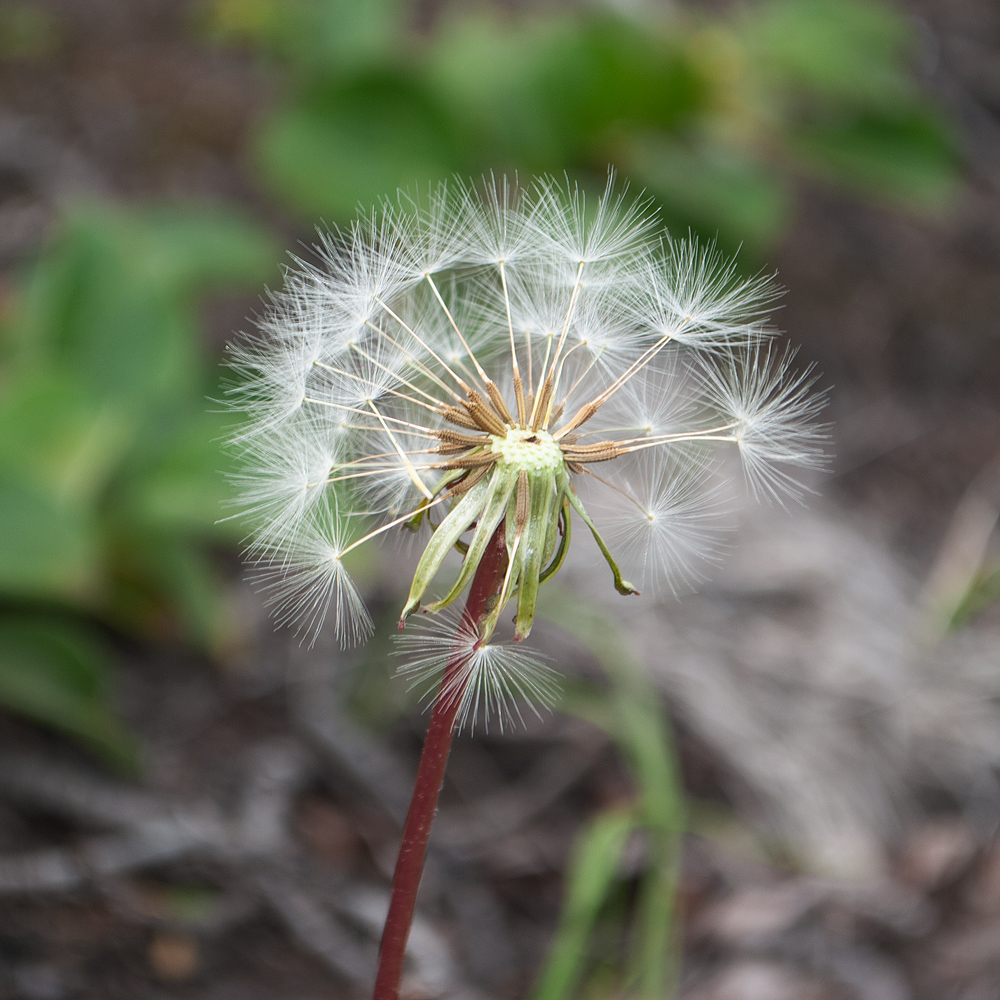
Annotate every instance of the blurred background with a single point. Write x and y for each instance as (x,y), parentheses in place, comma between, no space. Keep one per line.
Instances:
(785,786)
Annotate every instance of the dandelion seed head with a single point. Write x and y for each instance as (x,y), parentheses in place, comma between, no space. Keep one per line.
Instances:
(524,357)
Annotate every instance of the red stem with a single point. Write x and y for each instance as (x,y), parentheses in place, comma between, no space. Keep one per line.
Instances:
(430,776)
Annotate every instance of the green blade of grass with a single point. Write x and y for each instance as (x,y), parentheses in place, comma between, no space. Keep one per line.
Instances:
(592,871)
(634,716)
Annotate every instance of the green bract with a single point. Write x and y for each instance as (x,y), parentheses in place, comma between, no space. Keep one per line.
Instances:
(528,487)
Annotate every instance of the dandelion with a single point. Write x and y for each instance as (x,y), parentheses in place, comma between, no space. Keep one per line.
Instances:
(474,366)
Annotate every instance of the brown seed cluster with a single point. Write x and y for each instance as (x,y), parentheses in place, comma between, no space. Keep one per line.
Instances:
(494,419)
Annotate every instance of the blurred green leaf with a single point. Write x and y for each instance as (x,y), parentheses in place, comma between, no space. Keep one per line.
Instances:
(57,675)
(637,720)
(710,186)
(180,486)
(591,873)
(982,592)
(104,442)
(653,967)
(90,312)
(192,904)
(849,50)
(111,302)
(644,731)
(633,714)
(356,143)
(317,37)
(188,249)
(57,435)
(715,115)
(110,480)
(196,588)
(48,550)
(907,157)
(487,75)
(27,31)
(166,585)
(546,92)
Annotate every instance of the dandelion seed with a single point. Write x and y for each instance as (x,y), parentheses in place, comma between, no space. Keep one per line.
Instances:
(305,581)
(771,413)
(445,657)
(664,520)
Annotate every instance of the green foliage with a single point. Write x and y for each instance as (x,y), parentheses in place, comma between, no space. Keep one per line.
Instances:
(554,92)
(56,673)
(593,869)
(27,31)
(632,713)
(902,155)
(835,50)
(110,481)
(350,142)
(703,181)
(714,116)
(321,37)
(982,592)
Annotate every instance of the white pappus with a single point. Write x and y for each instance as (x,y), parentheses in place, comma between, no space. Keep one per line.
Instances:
(465,362)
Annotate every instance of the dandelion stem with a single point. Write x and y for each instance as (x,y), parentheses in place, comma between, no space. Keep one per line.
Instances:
(430,776)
